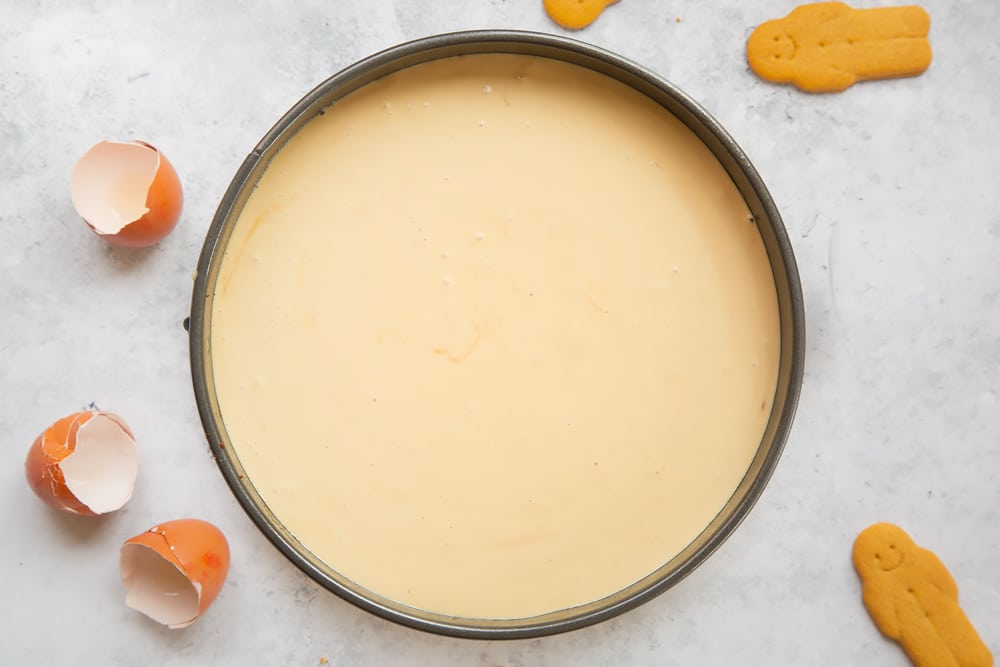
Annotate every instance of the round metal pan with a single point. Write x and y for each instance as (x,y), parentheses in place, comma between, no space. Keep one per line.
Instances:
(746,179)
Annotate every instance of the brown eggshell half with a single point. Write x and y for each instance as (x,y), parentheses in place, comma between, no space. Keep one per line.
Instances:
(127,192)
(85,463)
(174,571)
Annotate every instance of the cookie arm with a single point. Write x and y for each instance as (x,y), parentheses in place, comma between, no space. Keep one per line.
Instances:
(880,602)
(939,574)
(824,79)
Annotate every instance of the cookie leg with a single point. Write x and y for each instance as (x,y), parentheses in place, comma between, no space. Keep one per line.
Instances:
(891,58)
(898,22)
(886,42)
(918,636)
(958,633)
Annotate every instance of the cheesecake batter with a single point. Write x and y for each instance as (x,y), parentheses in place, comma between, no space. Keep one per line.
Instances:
(495,336)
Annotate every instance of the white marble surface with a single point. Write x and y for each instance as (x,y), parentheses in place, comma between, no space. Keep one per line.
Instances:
(889,192)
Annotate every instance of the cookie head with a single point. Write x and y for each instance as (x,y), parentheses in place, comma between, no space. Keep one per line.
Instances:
(576,14)
(772,47)
(881,548)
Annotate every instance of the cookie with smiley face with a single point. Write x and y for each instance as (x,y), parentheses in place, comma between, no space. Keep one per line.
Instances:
(826,47)
(913,599)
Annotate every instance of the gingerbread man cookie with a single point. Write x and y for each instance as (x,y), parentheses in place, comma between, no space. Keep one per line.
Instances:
(913,599)
(828,46)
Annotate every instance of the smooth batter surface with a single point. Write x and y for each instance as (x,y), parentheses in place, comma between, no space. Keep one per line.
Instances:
(495,337)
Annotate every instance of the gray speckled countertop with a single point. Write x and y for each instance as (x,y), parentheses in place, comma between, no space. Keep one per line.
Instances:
(889,193)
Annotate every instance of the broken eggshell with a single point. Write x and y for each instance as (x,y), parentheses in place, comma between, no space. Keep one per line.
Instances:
(85,463)
(173,571)
(127,192)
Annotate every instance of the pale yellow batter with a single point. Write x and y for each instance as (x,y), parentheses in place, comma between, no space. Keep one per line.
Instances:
(495,337)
